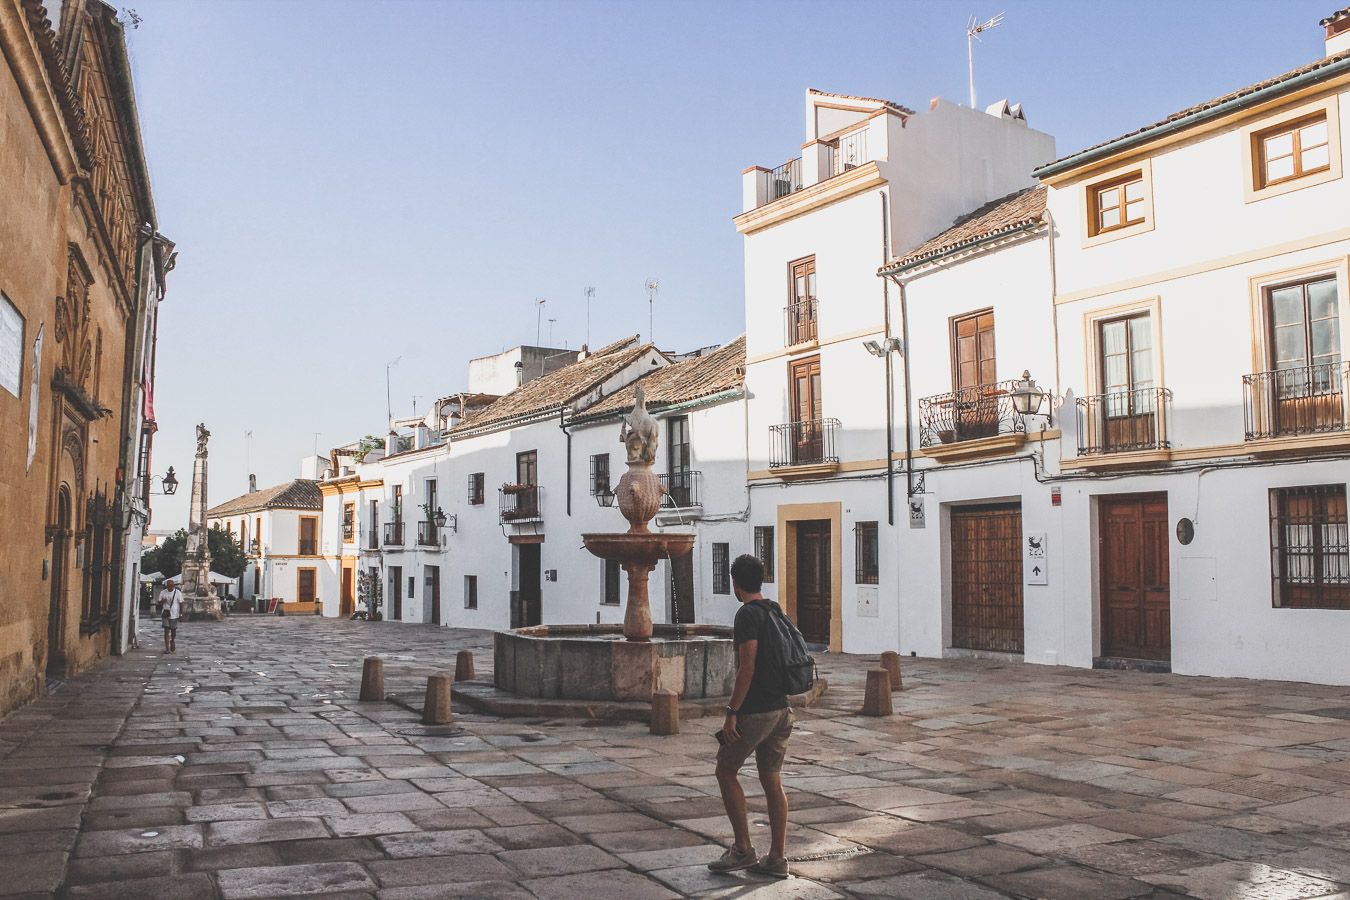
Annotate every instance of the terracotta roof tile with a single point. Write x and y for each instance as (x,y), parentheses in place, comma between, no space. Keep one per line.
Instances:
(559,387)
(999,216)
(889,104)
(301,493)
(1203,107)
(702,376)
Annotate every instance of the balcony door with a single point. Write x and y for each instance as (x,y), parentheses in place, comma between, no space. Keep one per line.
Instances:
(1305,348)
(801,318)
(1129,405)
(678,461)
(807,411)
(309,530)
(976,406)
(527,473)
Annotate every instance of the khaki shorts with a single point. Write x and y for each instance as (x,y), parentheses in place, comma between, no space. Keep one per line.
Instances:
(763,734)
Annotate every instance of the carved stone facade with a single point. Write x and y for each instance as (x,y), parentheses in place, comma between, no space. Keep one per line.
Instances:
(75,197)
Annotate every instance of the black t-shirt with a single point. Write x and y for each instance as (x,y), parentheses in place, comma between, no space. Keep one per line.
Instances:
(764,695)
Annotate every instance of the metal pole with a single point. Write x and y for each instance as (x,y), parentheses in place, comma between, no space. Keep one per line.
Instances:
(970,61)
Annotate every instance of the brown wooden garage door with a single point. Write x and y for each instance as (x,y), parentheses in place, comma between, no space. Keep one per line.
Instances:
(987,578)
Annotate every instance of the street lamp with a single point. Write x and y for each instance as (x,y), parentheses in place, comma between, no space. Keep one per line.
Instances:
(605,498)
(1026,396)
(880,349)
(439,517)
(170,482)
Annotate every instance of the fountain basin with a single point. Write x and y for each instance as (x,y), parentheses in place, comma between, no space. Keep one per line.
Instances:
(639,548)
(594,662)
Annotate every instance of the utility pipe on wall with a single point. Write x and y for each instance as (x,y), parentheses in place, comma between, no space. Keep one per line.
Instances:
(890,378)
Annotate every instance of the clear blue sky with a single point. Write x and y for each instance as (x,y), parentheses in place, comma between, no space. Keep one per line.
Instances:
(352,182)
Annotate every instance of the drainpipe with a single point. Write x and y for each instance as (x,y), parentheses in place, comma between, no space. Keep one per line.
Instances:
(1054,316)
(562,423)
(890,377)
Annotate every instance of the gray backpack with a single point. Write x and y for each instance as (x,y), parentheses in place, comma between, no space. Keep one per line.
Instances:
(785,648)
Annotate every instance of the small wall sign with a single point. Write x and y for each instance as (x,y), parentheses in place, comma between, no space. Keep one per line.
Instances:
(917,518)
(1185,531)
(1035,564)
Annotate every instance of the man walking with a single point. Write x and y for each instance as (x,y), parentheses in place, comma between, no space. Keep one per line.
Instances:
(758,721)
(170,610)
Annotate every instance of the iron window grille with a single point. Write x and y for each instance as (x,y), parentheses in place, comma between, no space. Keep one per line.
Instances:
(612,570)
(764,550)
(721,565)
(599,474)
(867,564)
(1310,547)
(348,522)
(477,481)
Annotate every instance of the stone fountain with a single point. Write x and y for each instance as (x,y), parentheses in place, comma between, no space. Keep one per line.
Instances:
(599,662)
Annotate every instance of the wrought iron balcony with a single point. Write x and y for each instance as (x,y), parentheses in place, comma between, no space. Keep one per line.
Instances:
(518,503)
(428,535)
(1123,421)
(784,180)
(803,443)
(968,414)
(848,152)
(373,538)
(393,534)
(1297,401)
(683,488)
(799,320)
(348,532)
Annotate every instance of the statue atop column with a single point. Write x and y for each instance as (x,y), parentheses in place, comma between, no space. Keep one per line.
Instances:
(199,594)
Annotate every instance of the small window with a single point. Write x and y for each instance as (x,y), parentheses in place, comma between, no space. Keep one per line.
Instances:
(411,583)
(867,567)
(599,474)
(348,522)
(1118,203)
(1292,150)
(1310,547)
(476,482)
(721,565)
(764,549)
(612,582)
(470,591)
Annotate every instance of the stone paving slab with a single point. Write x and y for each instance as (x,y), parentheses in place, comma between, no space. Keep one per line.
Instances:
(244,767)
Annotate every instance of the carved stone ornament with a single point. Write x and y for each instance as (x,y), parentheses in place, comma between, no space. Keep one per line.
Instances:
(639,433)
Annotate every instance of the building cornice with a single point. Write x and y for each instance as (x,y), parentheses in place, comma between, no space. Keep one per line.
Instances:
(824,193)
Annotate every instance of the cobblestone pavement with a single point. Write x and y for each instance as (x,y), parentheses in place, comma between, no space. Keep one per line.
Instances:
(244,767)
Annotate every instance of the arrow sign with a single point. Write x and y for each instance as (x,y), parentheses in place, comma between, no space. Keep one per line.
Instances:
(1035,558)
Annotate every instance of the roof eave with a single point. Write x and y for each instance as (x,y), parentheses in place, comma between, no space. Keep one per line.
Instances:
(1024,227)
(1130,142)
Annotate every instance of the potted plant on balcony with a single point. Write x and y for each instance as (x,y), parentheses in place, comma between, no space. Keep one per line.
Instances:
(509,488)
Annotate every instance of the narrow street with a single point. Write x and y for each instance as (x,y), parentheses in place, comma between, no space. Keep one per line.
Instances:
(244,767)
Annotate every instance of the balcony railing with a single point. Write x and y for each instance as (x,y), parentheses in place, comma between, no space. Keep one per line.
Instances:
(968,414)
(309,547)
(1123,421)
(848,152)
(683,488)
(393,534)
(428,535)
(373,538)
(1289,402)
(784,180)
(803,443)
(519,503)
(800,321)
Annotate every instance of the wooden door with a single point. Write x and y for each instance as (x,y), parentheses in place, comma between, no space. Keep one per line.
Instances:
(56,650)
(807,439)
(396,592)
(976,406)
(529,595)
(801,316)
(814,580)
(305,580)
(347,599)
(1136,592)
(433,593)
(682,589)
(987,578)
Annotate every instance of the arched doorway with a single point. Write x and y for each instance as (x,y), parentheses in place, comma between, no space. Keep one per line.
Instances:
(56,651)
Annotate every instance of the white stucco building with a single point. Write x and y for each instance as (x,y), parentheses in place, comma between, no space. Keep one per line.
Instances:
(519,480)
(874,180)
(279,529)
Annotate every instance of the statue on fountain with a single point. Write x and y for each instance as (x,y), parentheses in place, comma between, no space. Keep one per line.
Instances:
(639,433)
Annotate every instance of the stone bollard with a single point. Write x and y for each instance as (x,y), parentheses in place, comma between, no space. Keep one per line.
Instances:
(372,679)
(890,661)
(436,708)
(464,665)
(877,698)
(665,712)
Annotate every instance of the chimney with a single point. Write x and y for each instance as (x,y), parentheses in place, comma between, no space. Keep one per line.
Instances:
(253,484)
(520,373)
(1337,26)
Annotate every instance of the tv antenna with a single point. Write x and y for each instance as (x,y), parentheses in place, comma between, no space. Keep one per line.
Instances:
(652,286)
(550,331)
(974,29)
(388,394)
(538,320)
(590,295)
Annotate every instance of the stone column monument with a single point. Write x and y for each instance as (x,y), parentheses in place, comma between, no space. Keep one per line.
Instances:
(199,594)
